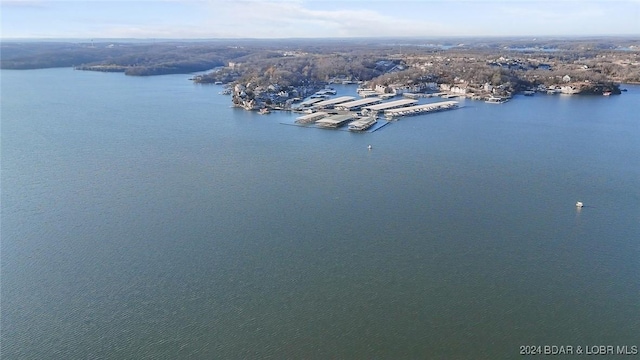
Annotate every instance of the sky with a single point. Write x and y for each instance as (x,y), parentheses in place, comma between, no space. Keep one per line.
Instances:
(207,19)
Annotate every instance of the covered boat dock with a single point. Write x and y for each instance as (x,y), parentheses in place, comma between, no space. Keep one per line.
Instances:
(309,118)
(420,109)
(357,104)
(332,102)
(334,121)
(373,109)
(308,103)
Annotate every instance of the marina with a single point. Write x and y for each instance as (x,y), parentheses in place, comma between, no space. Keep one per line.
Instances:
(361,115)
(373,128)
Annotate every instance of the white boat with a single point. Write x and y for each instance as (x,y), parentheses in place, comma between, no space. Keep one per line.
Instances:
(496,100)
(579,204)
(264,111)
(362,124)
(324,93)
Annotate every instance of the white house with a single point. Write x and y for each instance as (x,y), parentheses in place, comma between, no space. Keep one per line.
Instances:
(381,89)
(462,89)
(567,89)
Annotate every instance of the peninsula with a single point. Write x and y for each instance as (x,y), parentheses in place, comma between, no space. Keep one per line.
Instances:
(274,73)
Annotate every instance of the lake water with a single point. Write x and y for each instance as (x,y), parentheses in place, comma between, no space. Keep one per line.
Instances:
(144,218)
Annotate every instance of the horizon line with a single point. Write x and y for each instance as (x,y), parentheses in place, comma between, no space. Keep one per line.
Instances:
(426,37)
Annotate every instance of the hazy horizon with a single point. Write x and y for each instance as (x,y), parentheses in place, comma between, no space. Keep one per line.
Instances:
(314,19)
(413,38)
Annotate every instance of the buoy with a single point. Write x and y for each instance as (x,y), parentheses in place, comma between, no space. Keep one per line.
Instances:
(369,147)
(579,204)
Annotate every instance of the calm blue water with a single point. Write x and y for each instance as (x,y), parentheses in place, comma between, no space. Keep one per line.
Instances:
(143,218)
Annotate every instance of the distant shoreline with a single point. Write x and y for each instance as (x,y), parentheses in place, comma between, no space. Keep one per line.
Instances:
(272,73)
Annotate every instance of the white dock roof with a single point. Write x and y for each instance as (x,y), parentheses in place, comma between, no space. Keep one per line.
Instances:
(334,101)
(423,107)
(391,104)
(360,102)
(310,101)
(362,121)
(315,115)
(334,121)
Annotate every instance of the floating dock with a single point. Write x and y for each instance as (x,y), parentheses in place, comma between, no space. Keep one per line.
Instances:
(334,121)
(420,109)
(310,118)
(362,124)
(375,127)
